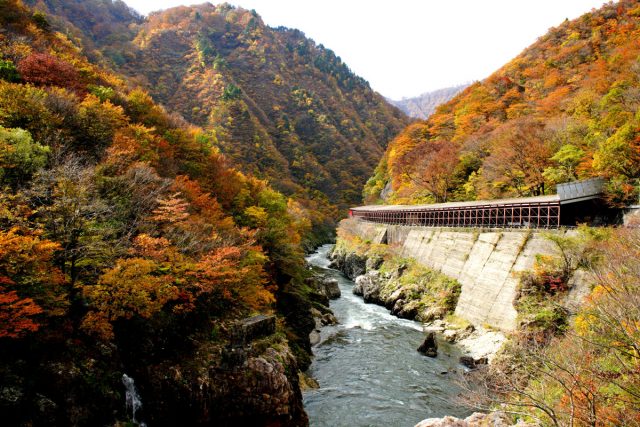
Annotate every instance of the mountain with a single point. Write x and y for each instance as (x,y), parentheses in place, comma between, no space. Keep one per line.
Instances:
(422,106)
(278,105)
(564,109)
(131,248)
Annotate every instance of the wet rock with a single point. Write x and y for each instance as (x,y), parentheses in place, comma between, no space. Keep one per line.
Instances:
(406,309)
(307,382)
(350,263)
(429,347)
(314,337)
(329,319)
(368,286)
(354,265)
(468,361)
(330,288)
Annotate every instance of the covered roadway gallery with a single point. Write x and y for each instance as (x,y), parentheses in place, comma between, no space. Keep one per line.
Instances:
(576,202)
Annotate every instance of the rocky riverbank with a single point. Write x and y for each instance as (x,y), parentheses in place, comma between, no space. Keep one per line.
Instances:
(494,419)
(325,289)
(412,291)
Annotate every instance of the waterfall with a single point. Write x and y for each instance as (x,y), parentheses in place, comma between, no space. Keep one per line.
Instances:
(132,398)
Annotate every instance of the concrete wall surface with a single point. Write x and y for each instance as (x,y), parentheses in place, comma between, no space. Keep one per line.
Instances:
(486,263)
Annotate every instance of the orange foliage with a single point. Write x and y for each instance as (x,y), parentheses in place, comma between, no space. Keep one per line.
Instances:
(16,314)
(26,267)
(134,287)
(172,210)
(585,69)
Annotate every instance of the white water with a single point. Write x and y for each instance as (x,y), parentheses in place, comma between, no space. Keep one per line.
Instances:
(132,399)
(369,371)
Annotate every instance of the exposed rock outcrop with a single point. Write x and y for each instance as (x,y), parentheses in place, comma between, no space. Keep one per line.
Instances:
(261,390)
(368,286)
(321,319)
(494,419)
(350,263)
(329,288)
(387,287)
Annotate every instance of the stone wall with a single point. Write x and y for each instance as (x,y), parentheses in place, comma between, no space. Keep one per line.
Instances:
(487,263)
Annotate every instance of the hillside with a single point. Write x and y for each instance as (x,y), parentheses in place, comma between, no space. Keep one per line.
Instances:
(564,109)
(130,245)
(276,104)
(422,106)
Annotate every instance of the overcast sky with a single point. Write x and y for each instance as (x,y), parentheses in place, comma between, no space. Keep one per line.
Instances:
(407,47)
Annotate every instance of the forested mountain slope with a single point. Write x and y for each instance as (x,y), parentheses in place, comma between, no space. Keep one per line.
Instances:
(278,105)
(566,108)
(422,106)
(128,244)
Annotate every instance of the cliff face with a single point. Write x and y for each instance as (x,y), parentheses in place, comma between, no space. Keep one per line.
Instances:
(488,264)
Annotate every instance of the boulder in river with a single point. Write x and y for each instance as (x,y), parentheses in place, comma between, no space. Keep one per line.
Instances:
(429,347)
(330,288)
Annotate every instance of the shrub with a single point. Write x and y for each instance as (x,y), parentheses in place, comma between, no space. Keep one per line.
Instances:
(43,69)
(8,71)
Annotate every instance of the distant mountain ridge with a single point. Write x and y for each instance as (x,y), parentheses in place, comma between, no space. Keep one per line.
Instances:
(422,106)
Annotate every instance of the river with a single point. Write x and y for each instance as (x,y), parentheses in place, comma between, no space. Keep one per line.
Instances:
(369,371)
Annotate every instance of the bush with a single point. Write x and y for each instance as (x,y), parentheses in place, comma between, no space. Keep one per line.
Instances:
(8,71)
(43,69)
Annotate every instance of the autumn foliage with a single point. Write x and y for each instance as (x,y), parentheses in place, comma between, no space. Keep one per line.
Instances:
(43,69)
(114,210)
(564,109)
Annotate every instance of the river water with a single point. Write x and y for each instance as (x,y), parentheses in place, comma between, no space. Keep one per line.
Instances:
(369,371)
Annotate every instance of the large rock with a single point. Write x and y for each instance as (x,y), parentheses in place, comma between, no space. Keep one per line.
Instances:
(354,265)
(254,327)
(368,286)
(430,346)
(330,288)
(493,419)
(374,262)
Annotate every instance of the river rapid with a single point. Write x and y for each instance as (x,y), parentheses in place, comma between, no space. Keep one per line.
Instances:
(369,371)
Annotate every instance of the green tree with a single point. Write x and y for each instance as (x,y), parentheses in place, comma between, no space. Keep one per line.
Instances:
(20,157)
(8,71)
(567,158)
(231,91)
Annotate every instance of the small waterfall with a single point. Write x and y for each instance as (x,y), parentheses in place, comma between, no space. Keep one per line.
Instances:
(132,398)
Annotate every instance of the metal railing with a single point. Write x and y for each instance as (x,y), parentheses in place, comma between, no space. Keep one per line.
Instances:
(530,215)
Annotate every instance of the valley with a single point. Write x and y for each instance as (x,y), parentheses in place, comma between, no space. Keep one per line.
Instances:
(206,220)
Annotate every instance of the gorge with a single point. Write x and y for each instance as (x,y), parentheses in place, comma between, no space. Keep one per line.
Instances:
(369,370)
(164,177)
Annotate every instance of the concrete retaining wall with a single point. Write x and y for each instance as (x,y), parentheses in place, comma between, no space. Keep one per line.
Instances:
(486,263)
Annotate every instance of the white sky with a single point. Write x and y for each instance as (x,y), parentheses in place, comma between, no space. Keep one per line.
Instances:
(407,47)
